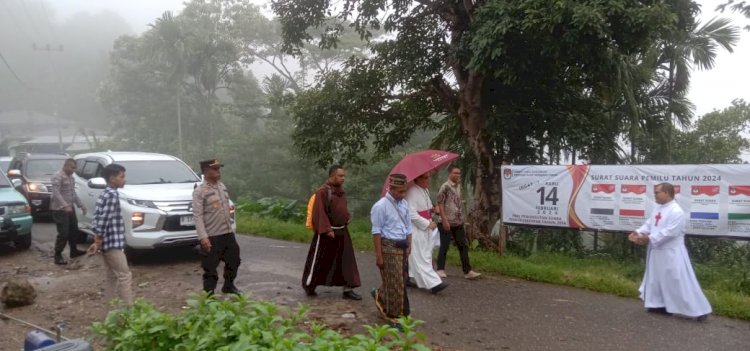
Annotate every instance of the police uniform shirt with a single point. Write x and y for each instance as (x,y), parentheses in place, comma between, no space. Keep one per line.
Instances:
(211,210)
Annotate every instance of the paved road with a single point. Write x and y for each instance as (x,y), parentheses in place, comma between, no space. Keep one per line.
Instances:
(490,314)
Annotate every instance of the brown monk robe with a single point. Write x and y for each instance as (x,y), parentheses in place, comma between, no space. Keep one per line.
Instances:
(330,260)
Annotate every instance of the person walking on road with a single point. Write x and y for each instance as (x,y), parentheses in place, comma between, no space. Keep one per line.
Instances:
(450,201)
(62,204)
(330,260)
(109,231)
(420,259)
(391,235)
(669,283)
(213,222)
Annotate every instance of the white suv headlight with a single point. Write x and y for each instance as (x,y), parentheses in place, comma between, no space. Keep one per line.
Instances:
(37,187)
(141,203)
(18,209)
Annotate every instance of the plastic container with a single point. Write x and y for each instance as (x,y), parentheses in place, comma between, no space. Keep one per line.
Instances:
(70,345)
(35,340)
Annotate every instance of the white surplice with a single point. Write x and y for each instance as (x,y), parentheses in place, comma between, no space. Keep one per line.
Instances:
(669,280)
(420,259)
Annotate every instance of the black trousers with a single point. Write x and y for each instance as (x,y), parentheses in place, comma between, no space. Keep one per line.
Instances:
(223,248)
(67,231)
(458,235)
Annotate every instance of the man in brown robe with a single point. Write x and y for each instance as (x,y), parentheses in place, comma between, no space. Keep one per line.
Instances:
(331,261)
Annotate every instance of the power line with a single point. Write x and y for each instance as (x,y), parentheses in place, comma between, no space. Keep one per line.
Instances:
(12,71)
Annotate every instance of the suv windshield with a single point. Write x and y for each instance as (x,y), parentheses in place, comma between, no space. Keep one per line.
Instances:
(157,172)
(43,169)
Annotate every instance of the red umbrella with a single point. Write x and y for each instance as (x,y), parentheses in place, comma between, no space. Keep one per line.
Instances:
(418,163)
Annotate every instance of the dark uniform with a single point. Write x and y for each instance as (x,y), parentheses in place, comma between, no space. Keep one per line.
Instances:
(213,220)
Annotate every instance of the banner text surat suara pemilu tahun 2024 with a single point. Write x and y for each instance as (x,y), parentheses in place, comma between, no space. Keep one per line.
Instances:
(715,198)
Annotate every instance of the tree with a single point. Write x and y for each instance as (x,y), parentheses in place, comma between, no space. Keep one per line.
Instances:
(717,137)
(501,74)
(743,7)
(690,45)
(176,69)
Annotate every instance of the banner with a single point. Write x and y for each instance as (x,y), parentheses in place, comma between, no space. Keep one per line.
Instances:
(715,198)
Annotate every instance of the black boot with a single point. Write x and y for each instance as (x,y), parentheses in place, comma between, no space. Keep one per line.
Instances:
(230,289)
(76,253)
(59,260)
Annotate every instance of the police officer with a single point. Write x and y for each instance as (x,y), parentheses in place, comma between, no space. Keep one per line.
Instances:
(211,211)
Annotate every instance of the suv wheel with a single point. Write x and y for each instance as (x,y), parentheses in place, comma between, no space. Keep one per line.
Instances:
(23,242)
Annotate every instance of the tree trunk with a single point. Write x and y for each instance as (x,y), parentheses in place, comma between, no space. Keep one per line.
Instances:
(486,206)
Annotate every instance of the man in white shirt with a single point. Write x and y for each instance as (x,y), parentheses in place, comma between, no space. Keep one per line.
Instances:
(669,283)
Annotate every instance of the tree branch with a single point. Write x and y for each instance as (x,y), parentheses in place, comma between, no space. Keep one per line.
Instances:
(284,74)
(445,93)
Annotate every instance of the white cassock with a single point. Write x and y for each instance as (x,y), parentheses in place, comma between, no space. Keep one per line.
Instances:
(669,280)
(420,259)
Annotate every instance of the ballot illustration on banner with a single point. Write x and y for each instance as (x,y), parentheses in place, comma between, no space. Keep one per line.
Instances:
(603,204)
(738,211)
(704,208)
(715,198)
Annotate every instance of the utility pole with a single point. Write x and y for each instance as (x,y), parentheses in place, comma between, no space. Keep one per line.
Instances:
(179,122)
(55,98)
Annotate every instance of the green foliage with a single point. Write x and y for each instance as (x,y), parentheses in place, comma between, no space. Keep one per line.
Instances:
(528,241)
(281,209)
(715,138)
(240,323)
(359,229)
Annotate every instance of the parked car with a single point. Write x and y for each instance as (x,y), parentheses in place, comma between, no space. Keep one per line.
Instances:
(4,162)
(15,215)
(35,172)
(156,201)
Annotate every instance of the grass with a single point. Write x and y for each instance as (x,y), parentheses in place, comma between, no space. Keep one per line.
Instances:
(728,289)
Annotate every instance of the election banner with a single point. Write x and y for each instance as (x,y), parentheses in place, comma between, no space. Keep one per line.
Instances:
(715,198)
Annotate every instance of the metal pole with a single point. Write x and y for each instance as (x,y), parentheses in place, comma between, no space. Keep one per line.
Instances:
(3,315)
(179,123)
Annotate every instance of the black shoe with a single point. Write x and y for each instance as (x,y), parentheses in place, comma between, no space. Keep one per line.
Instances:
(410,283)
(659,310)
(351,295)
(59,260)
(231,290)
(77,253)
(310,292)
(702,318)
(438,288)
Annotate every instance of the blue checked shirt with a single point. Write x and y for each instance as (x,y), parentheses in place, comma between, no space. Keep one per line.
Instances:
(108,222)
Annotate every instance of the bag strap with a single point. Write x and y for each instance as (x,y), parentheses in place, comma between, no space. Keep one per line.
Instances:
(393,203)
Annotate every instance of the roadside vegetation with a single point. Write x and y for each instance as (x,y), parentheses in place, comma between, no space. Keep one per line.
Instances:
(556,257)
(240,323)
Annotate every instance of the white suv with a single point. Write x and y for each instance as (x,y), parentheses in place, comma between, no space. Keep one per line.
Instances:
(156,201)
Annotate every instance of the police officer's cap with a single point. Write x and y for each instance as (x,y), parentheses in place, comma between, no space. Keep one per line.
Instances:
(213,163)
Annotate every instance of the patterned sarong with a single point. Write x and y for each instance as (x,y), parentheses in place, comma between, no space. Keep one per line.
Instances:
(390,298)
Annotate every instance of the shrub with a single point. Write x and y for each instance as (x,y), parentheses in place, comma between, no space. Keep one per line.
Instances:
(239,323)
(271,207)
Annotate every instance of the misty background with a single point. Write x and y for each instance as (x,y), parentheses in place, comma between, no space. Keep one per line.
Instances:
(97,74)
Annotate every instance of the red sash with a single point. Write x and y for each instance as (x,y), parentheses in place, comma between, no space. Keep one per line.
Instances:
(426,214)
